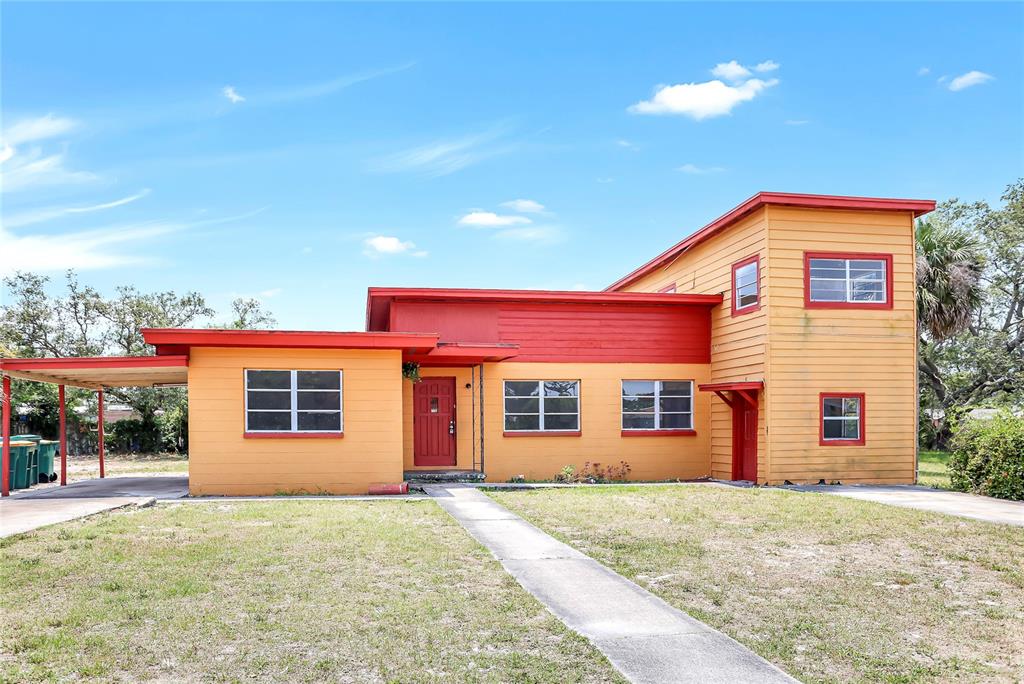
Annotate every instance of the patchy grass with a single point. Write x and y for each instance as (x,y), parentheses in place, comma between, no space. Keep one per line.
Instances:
(382,591)
(88,467)
(829,588)
(933,469)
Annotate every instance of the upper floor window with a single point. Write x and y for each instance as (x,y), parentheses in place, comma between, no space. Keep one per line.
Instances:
(842,419)
(299,401)
(657,405)
(841,280)
(746,285)
(668,289)
(542,405)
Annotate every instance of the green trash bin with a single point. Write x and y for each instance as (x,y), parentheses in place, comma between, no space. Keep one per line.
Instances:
(47,453)
(27,438)
(19,464)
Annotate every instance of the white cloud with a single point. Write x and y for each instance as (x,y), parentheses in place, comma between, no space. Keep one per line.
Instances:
(21,172)
(542,235)
(731,71)
(796,122)
(524,206)
(693,169)
(767,65)
(443,157)
(49,213)
(627,145)
(272,292)
(232,94)
(381,245)
(323,88)
(701,100)
(924,71)
(41,128)
(971,78)
(488,219)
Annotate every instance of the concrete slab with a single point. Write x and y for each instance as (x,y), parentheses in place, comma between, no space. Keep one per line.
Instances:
(163,487)
(22,514)
(928,499)
(643,636)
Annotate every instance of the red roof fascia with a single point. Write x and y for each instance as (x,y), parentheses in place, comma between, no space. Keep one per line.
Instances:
(378,299)
(723,386)
(299,339)
(918,207)
(70,362)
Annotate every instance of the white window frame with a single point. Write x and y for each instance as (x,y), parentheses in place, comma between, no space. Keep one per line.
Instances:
(847,280)
(657,406)
(859,418)
(540,407)
(738,290)
(294,396)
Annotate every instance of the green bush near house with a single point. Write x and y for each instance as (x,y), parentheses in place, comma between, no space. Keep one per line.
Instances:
(988,457)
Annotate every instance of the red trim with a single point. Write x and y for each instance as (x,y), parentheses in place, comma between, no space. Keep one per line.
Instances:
(668,289)
(761,199)
(303,339)
(721,386)
(99,430)
(808,304)
(659,433)
(63,427)
(5,436)
(93,362)
(821,419)
(542,433)
(293,435)
(756,306)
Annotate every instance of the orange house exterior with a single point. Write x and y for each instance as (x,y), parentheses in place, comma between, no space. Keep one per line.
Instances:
(776,344)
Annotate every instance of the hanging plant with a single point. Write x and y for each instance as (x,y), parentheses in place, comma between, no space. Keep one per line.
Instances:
(411,371)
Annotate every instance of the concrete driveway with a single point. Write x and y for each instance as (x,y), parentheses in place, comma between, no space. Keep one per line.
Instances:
(928,499)
(31,509)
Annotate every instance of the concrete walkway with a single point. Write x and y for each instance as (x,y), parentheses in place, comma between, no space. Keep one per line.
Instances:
(928,499)
(645,638)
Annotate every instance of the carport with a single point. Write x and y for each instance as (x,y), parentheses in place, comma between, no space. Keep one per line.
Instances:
(93,373)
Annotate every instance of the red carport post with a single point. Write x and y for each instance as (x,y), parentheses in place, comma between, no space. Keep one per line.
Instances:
(5,461)
(99,419)
(63,437)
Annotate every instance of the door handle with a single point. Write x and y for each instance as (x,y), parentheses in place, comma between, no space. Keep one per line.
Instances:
(451,427)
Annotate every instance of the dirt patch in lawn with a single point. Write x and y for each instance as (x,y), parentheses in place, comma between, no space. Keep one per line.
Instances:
(275,591)
(830,589)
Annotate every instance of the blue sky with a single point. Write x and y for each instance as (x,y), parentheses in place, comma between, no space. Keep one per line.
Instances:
(300,153)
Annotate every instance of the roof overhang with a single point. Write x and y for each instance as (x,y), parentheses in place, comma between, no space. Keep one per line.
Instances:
(916,206)
(101,371)
(180,340)
(379,299)
(725,386)
(463,354)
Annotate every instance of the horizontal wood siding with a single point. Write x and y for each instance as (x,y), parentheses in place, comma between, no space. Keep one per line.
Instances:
(590,333)
(841,350)
(738,343)
(541,457)
(222,461)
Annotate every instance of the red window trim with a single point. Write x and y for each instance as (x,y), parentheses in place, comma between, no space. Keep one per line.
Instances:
(293,435)
(821,419)
(542,433)
(755,259)
(659,433)
(668,289)
(808,304)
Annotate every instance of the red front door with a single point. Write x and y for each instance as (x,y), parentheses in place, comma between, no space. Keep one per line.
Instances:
(433,429)
(744,438)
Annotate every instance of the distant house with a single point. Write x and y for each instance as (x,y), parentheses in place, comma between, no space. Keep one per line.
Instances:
(776,343)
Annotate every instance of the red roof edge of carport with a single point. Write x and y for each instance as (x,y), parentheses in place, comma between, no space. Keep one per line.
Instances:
(184,338)
(76,362)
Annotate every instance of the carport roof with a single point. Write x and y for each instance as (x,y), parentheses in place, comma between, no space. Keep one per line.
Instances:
(101,371)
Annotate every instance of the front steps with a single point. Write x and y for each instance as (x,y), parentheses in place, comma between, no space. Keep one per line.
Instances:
(414,477)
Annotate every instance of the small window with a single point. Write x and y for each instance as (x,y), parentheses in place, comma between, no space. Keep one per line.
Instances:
(297,401)
(746,287)
(848,280)
(842,419)
(542,405)
(657,405)
(668,289)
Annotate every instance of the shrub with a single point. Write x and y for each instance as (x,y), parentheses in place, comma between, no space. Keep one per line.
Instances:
(988,457)
(594,473)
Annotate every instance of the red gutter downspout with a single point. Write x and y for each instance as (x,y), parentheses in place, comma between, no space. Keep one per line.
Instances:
(63,437)
(99,419)
(5,461)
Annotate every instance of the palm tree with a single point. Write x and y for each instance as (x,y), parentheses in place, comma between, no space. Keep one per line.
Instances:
(949,265)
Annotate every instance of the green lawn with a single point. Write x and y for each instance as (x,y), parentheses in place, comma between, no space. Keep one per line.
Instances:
(829,588)
(384,591)
(933,470)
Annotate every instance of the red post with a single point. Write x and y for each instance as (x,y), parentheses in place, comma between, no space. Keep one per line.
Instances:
(63,437)
(5,461)
(99,420)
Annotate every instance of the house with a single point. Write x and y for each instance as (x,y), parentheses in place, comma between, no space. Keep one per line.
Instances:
(777,343)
